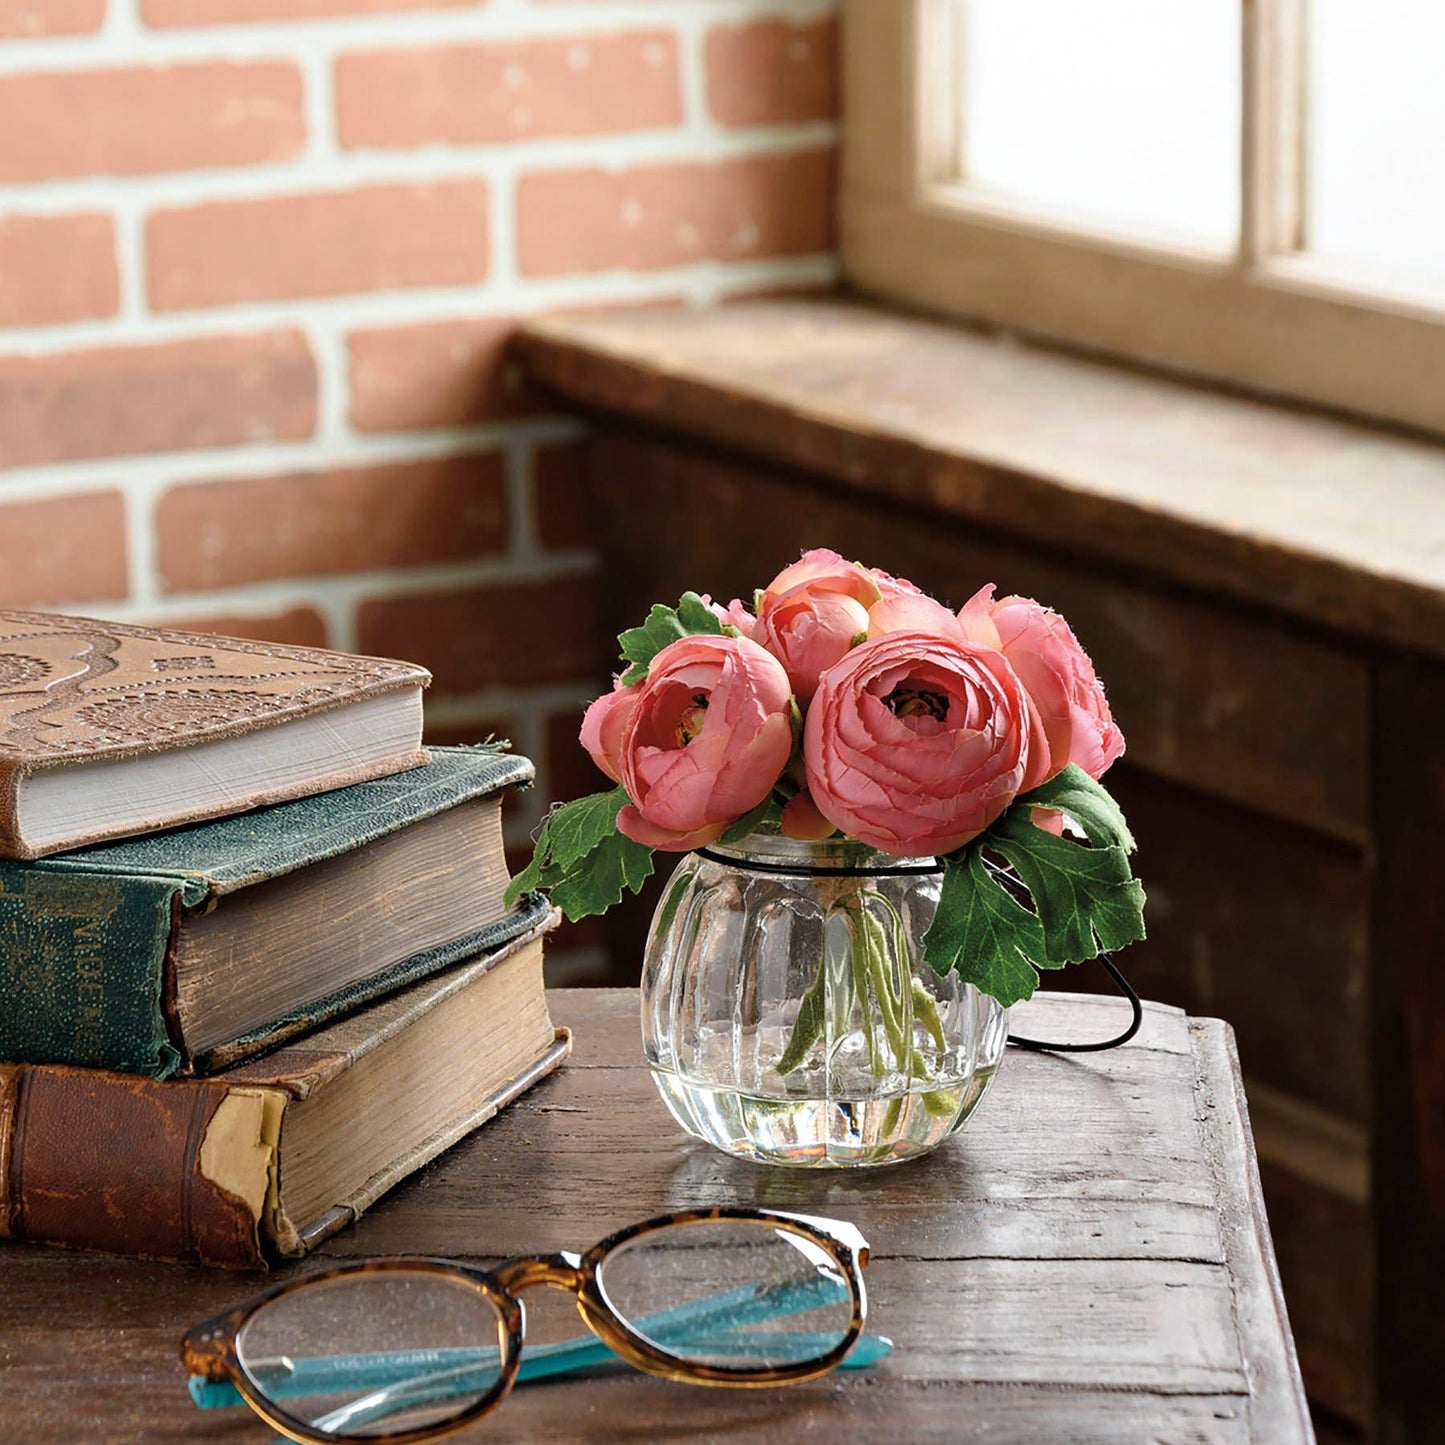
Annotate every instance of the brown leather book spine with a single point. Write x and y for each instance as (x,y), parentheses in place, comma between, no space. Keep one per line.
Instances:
(10,846)
(112,1161)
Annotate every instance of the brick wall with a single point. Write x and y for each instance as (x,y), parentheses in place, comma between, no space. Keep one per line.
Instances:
(258,263)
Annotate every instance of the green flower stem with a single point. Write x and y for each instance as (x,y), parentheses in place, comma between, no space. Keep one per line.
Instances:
(868,980)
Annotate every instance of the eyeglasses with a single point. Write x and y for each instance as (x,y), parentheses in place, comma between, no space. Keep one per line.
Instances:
(401,1350)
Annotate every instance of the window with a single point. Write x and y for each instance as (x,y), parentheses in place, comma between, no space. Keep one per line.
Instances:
(1248,190)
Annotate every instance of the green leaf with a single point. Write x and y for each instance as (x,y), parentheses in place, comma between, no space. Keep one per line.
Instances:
(808,1026)
(664,626)
(697,617)
(575,829)
(1086,897)
(983,931)
(598,881)
(581,859)
(1088,803)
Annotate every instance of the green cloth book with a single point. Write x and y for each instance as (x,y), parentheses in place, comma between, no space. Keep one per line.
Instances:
(183,952)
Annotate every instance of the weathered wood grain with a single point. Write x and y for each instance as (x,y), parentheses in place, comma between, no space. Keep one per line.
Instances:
(1083,1262)
(1257,921)
(1321,519)
(1408,999)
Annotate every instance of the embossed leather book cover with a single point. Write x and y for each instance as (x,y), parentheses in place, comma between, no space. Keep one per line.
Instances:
(108,729)
(266,1160)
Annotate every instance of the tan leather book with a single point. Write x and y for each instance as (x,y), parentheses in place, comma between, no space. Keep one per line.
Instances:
(108,730)
(267,1159)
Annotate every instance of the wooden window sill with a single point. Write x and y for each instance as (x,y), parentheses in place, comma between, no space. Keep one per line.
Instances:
(1322,519)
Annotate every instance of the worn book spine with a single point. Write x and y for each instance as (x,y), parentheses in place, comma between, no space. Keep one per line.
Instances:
(86,972)
(105,1161)
(529,914)
(181,1170)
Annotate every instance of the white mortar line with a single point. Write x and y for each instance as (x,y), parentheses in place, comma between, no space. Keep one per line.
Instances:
(691,31)
(313,173)
(318,102)
(130,266)
(364,310)
(345,589)
(328,346)
(265,459)
(140,548)
(503,273)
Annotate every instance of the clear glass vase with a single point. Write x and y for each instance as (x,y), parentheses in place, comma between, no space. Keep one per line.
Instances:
(789,1016)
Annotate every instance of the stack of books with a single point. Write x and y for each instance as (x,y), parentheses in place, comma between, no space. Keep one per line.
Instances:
(256,963)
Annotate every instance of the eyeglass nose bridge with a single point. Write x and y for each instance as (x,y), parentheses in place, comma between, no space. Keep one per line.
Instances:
(562,1270)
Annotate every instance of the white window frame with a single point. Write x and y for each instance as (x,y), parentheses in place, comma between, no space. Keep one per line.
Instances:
(1267,318)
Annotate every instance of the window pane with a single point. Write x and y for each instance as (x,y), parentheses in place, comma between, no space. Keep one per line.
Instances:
(1376,187)
(1124,113)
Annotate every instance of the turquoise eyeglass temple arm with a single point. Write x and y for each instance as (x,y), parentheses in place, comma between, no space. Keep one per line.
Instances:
(690,1324)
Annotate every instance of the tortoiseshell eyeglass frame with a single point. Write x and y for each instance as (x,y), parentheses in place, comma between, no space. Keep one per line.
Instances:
(209,1349)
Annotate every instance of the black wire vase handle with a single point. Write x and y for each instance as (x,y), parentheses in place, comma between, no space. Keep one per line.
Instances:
(1007,876)
(1125,988)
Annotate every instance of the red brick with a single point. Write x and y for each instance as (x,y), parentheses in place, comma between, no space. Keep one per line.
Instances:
(772,72)
(669,214)
(329,243)
(560,496)
(117,400)
(298,626)
(515,634)
(67,549)
(162,14)
(143,119)
(435,373)
(508,90)
(30,19)
(350,519)
(57,268)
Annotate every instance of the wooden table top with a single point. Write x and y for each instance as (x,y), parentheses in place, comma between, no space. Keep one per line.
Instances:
(1087,1260)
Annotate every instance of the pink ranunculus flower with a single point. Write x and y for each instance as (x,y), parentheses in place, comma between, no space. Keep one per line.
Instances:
(891,586)
(917,613)
(1058,674)
(735,614)
(707,739)
(808,631)
(603,725)
(913,612)
(811,613)
(825,569)
(916,742)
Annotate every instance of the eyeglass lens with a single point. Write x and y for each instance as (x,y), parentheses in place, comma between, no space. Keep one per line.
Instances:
(368,1354)
(371,1354)
(738,1294)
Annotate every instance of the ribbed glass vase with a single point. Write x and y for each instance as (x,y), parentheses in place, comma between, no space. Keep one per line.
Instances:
(788,1014)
